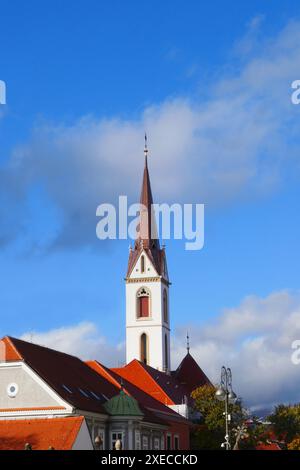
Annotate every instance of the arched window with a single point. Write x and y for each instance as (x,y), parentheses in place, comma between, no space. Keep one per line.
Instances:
(142,264)
(166,354)
(165,306)
(143,303)
(144,348)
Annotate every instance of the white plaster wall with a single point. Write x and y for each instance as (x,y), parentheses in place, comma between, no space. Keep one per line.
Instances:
(153,326)
(149,269)
(30,393)
(83,440)
(155,341)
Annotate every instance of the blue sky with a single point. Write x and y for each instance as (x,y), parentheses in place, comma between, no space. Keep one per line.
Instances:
(210,82)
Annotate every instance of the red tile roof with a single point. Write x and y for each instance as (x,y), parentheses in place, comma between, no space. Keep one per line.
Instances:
(38,408)
(267,446)
(190,375)
(8,351)
(70,377)
(171,389)
(60,433)
(152,408)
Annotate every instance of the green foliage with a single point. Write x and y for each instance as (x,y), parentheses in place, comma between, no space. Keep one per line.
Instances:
(211,435)
(203,438)
(286,421)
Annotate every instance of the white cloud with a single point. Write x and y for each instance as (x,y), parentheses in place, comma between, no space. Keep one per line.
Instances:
(83,340)
(255,340)
(233,144)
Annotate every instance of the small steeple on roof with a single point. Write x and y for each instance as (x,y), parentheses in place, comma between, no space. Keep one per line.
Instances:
(190,374)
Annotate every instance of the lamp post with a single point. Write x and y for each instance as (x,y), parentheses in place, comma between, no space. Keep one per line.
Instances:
(226,394)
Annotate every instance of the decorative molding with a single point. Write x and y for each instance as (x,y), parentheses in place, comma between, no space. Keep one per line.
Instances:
(147,279)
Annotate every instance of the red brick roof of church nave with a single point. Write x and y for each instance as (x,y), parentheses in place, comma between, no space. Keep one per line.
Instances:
(40,433)
(170,389)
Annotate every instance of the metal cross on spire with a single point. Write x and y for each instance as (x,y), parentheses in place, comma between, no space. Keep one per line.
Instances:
(146,147)
(187,343)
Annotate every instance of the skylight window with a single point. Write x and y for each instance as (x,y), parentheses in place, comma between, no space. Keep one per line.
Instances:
(67,388)
(95,395)
(83,393)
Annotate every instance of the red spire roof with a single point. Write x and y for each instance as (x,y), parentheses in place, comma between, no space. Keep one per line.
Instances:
(147,236)
(147,231)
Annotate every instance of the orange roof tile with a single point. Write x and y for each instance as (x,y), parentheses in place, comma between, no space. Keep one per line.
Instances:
(60,433)
(138,374)
(39,408)
(8,352)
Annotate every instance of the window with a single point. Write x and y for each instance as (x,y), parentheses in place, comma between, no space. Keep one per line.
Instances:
(144,348)
(66,388)
(145,442)
(117,436)
(95,395)
(12,390)
(137,440)
(166,353)
(83,393)
(156,443)
(165,306)
(142,264)
(176,442)
(169,442)
(143,303)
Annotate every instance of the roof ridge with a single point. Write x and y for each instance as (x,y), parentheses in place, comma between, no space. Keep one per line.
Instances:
(160,388)
(11,339)
(106,369)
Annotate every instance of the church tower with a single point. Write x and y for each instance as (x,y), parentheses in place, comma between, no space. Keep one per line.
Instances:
(147,289)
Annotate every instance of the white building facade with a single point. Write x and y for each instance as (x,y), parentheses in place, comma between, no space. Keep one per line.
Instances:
(147,291)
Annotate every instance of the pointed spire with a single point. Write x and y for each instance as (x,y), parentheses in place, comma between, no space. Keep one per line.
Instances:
(147,228)
(188,343)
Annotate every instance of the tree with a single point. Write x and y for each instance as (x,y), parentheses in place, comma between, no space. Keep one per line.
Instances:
(286,422)
(211,434)
(295,444)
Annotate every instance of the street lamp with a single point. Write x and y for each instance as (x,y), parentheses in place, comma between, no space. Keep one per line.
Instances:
(226,394)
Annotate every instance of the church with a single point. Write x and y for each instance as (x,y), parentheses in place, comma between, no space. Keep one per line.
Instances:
(142,405)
